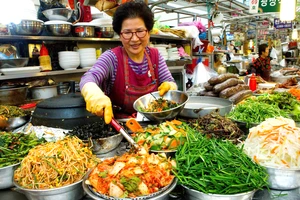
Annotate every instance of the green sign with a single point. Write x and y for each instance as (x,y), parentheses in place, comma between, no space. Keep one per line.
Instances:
(269,6)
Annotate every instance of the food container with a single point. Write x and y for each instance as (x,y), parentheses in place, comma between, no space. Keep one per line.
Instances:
(13,123)
(13,95)
(44,92)
(84,30)
(283,179)
(6,176)
(105,145)
(105,31)
(58,28)
(63,14)
(198,106)
(162,196)
(70,192)
(14,62)
(175,95)
(191,194)
(27,27)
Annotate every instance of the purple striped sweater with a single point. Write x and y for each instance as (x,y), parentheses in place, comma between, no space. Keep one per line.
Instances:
(104,71)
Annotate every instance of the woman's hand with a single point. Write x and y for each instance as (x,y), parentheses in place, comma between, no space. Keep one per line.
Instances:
(165,87)
(97,102)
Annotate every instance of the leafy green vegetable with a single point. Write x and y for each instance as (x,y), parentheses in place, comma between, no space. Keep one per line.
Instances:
(296,112)
(253,112)
(218,167)
(130,184)
(15,146)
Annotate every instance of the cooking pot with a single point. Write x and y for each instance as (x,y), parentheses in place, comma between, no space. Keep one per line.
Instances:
(13,95)
(63,111)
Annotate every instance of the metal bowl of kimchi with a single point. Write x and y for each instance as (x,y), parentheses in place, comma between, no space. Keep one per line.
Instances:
(131,176)
(143,104)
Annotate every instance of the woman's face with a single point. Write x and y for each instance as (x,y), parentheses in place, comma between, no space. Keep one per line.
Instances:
(136,44)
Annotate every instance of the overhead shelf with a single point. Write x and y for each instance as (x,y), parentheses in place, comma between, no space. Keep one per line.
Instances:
(80,39)
(42,74)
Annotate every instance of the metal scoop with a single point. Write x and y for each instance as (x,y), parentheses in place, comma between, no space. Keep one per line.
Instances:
(120,129)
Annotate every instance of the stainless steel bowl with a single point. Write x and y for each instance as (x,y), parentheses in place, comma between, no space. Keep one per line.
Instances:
(191,194)
(59,29)
(13,95)
(27,27)
(106,31)
(6,176)
(63,14)
(84,30)
(69,192)
(105,145)
(13,123)
(283,179)
(175,95)
(15,62)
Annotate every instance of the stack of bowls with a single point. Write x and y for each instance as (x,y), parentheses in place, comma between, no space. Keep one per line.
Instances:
(173,54)
(162,49)
(68,60)
(87,57)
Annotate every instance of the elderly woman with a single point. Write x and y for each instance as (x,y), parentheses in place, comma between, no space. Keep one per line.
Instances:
(123,74)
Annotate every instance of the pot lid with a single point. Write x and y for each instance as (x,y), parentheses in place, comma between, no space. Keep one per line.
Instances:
(72,100)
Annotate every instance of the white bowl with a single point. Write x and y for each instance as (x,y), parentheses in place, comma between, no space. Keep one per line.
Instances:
(68,66)
(87,50)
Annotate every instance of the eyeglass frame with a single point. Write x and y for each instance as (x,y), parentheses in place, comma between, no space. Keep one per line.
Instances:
(135,34)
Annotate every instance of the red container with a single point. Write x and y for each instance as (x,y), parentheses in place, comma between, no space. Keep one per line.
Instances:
(252,82)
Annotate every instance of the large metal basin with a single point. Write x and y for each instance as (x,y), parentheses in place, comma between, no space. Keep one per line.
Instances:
(198,106)
(175,95)
(283,179)
(191,194)
(6,176)
(69,192)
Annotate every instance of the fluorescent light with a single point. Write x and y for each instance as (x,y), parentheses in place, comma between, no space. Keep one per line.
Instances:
(287,10)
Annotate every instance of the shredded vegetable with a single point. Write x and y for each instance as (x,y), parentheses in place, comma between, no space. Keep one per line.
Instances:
(274,143)
(55,164)
(164,136)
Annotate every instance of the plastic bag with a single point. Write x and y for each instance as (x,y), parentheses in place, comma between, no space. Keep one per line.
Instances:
(203,74)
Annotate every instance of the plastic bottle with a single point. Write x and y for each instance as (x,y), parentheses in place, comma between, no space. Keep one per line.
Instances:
(45,60)
(252,82)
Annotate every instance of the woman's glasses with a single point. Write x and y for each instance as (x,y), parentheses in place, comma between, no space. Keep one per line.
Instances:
(129,35)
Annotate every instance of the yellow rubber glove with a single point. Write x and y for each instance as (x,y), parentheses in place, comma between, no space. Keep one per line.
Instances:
(97,102)
(165,87)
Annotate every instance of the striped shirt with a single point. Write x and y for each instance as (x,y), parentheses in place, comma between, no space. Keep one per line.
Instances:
(104,71)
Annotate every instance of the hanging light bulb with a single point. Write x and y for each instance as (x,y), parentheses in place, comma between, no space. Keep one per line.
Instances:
(287,10)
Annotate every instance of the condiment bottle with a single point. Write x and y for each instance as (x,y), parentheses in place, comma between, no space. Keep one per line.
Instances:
(45,60)
(252,82)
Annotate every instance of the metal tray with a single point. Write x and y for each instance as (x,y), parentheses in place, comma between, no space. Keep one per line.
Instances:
(198,106)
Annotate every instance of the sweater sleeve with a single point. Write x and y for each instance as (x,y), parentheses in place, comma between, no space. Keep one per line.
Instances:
(103,71)
(164,73)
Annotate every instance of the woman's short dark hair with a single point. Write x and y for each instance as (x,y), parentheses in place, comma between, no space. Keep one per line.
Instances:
(262,48)
(133,9)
